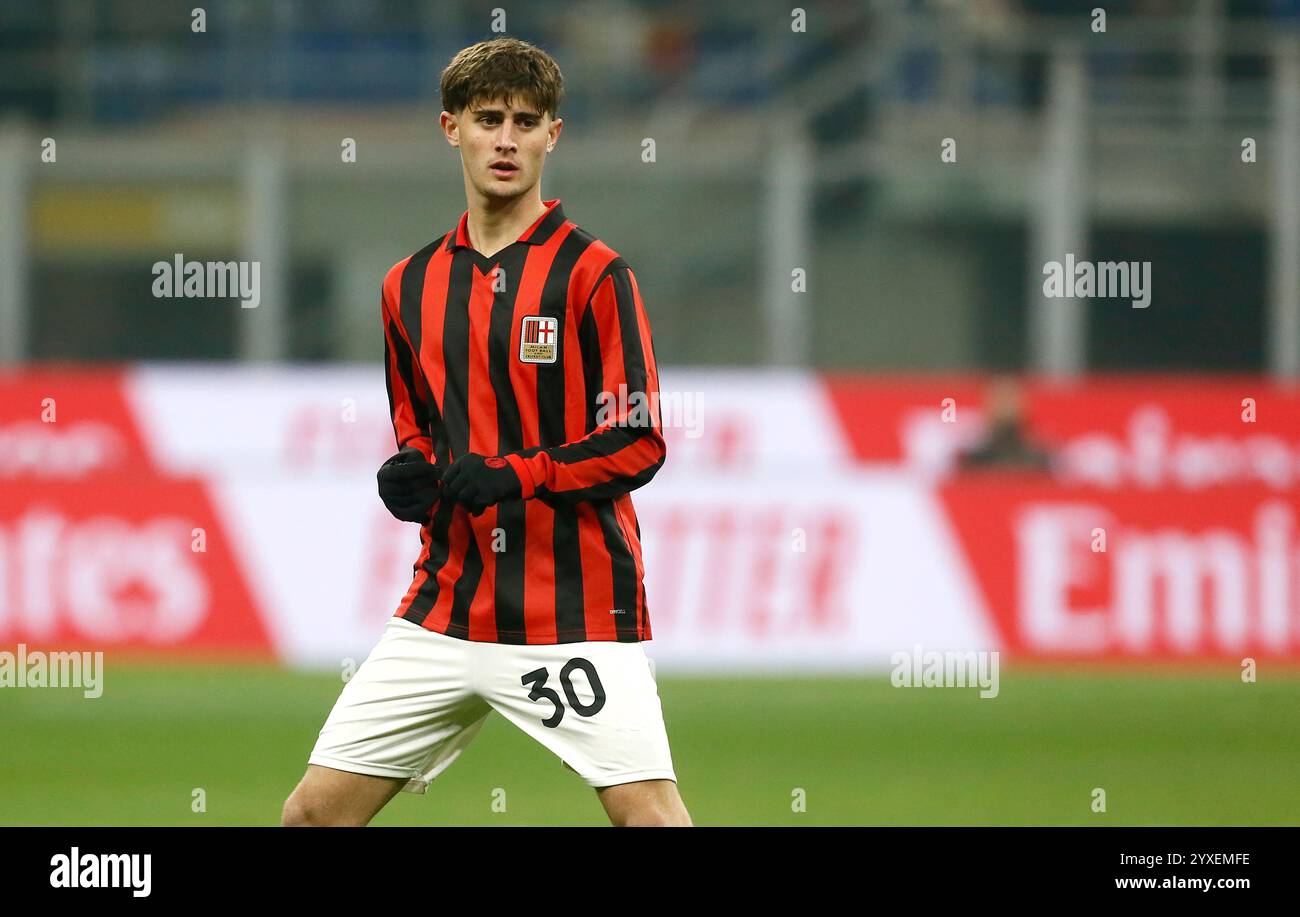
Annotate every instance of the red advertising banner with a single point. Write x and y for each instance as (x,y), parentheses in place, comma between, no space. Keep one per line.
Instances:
(799,522)
(1090,572)
(99,548)
(1140,431)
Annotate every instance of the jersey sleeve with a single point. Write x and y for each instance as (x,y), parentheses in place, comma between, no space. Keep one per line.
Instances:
(406,387)
(626,448)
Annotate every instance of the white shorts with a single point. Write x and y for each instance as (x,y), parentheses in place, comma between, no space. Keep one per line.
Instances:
(420,698)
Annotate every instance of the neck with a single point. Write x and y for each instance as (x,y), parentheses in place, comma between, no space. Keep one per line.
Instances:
(495,223)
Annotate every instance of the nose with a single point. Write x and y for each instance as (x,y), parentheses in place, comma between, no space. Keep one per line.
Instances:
(505,139)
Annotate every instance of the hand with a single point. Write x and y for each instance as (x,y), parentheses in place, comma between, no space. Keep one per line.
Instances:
(480,481)
(408,484)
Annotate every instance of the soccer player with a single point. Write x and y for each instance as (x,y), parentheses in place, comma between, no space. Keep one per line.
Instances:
(524,395)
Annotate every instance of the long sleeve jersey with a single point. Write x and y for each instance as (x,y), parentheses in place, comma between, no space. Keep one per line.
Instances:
(540,354)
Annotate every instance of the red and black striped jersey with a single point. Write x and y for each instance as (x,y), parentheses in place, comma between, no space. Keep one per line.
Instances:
(541,354)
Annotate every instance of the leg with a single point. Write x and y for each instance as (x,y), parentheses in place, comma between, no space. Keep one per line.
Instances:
(594,704)
(645,803)
(327,797)
(403,718)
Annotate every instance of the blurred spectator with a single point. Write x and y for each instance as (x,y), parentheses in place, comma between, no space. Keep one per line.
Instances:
(1004,444)
(672,49)
(603,55)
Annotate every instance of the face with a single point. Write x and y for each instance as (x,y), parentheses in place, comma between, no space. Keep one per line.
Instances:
(1004,403)
(503,147)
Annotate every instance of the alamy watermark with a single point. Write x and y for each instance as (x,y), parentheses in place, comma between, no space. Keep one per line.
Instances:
(1098,279)
(103,870)
(917,668)
(639,409)
(181,279)
(38,669)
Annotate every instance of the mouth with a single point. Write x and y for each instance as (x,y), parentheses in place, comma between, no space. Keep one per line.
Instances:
(503,169)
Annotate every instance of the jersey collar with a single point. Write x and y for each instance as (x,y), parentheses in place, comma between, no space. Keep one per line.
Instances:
(537,234)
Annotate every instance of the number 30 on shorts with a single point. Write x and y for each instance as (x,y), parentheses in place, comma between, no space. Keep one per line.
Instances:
(536,679)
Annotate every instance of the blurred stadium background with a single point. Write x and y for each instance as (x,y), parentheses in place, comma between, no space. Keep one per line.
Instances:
(884,438)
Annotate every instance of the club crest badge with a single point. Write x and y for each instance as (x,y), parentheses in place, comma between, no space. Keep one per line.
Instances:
(539,339)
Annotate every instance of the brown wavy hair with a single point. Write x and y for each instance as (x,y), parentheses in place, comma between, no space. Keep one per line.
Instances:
(505,68)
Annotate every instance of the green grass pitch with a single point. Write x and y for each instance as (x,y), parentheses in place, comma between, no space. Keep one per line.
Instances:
(1168,749)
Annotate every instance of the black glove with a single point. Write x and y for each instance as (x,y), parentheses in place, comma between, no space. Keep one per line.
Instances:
(480,481)
(408,485)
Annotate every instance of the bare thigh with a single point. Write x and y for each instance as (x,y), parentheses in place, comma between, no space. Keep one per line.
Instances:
(644,803)
(329,797)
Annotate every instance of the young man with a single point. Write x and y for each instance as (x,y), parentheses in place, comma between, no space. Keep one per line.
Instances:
(524,389)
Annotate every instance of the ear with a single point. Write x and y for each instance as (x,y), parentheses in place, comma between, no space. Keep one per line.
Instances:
(450,128)
(556,126)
